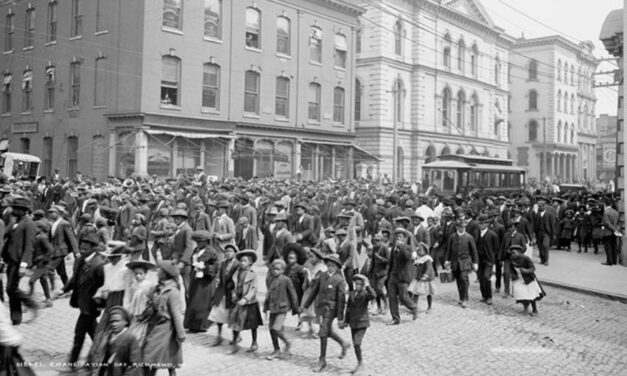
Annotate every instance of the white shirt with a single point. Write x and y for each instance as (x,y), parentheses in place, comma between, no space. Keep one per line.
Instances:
(425,212)
(53,229)
(483,232)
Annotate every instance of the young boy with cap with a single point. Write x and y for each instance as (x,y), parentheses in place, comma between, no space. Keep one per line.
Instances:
(330,291)
(357,314)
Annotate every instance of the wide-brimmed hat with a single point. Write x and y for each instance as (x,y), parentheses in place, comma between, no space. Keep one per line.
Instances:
(317,252)
(247,252)
(235,248)
(400,230)
(416,215)
(170,268)
(349,202)
(179,213)
(341,232)
(281,217)
(402,218)
(301,254)
(201,235)
(141,218)
(516,247)
(20,202)
(348,215)
(334,259)
(483,218)
(301,204)
(360,277)
(223,204)
(89,238)
(329,230)
(143,264)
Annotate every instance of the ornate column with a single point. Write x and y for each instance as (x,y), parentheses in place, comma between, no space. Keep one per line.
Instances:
(228,158)
(112,154)
(296,167)
(141,153)
(333,162)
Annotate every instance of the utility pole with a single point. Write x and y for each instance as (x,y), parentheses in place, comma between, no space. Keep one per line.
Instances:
(395,93)
(545,158)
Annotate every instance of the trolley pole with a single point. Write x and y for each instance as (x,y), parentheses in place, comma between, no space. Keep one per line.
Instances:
(545,158)
(395,93)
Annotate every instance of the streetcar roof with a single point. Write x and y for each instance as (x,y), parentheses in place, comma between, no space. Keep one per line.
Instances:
(447,164)
(485,167)
(472,166)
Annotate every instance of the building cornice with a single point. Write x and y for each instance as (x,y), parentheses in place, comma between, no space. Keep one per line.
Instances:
(553,40)
(351,9)
(300,131)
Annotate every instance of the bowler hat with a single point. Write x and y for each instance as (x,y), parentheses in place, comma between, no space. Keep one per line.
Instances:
(341,232)
(301,204)
(360,277)
(483,218)
(179,213)
(400,230)
(170,268)
(247,252)
(401,218)
(140,264)
(232,246)
(20,202)
(201,235)
(416,215)
(349,202)
(334,259)
(223,204)
(317,252)
(89,238)
(281,217)
(516,247)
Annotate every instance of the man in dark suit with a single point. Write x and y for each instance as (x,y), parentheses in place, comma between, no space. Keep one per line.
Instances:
(610,227)
(512,237)
(87,278)
(303,227)
(487,248)
(63,242)
(17,253)
(183,246)
(461,257)
(420,232)
(546,230)
(400,274)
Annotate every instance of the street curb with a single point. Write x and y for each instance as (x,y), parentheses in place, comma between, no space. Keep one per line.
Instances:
(584,290)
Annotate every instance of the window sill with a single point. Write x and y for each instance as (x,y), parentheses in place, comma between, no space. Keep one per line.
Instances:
(5,115)
(531,110)
(51,43)
(315,63)
(27,48)
(341,69)
(313,122)
(73,109)
(102,107)
(282,119)
(212,40)
(251,116)
(8,52)
(253,49)
(49,111)
(283,56)
(103,32)
(170,107)
(338,125)
(27,113)
(171,30)
(77,37)
(210,111)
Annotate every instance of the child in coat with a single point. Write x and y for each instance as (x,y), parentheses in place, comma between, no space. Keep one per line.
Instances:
(122,353)
(246,315)
(280,298)
(295,258)
(42,252)
(357,314)
(422,285)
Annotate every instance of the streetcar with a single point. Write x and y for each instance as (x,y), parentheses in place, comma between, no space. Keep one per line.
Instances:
(454,173)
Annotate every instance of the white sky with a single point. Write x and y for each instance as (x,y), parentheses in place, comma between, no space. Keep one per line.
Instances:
(577,20)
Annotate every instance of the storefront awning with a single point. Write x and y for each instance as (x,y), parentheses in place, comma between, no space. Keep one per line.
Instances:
(366,154)
(196,135)
(361,154)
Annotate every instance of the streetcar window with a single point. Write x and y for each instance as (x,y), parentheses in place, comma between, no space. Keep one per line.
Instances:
(449,181)
(484,179)
(437,178)
(494,179)
(464,181)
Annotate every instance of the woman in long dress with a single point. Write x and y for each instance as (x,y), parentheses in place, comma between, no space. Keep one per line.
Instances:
(138,297)
(165,335)
(527,289)
(222,301)
(202,286)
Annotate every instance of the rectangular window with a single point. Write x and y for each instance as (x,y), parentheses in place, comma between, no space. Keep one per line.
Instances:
(25,145)
(213,19)
(77,18)
(340,51)
(338,105)
(282,97)
(102,15)
(47,157)
(29,27)
(315,45)
(51,30)
(211,86)
(173,14)
(72,155)
(75,84)
(27,91)
(358,41)
(283,35)
(100,82)
(253,28)
(314,102)
(6,93)
(9,31)
(50,86)
(170,80)
(251,92)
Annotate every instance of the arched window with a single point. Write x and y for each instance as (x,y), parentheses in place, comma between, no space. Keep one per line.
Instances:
(172,16)
(251,92)
(340,51)
(474,59)
(474,113)
(461,105)
(27,90)
(446,107)
(559,131)
(572,104)
(50,87)
(358,94)
(497,71)
(572,75)
(358,39)
(559,100)
(446,52)
(585,117)
(565,73)
(579,78)
(314,102)
(213,19)
(533,69)
(253,28)
(399,90)
(283,35)
(211,86)
(430,154)
(400,158)
(559,70)
(6,93)
(315,44)
(461,151)
(446,150)
(398,38)
(533,130)
(572,133)
(282,99)
(533,99)
(75,84)
(565,103)
(338,105)
(461,55)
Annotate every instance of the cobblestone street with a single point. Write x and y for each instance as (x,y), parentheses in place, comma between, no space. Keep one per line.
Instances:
(574,334)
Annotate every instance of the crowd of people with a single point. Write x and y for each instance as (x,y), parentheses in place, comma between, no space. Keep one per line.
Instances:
(155,260)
